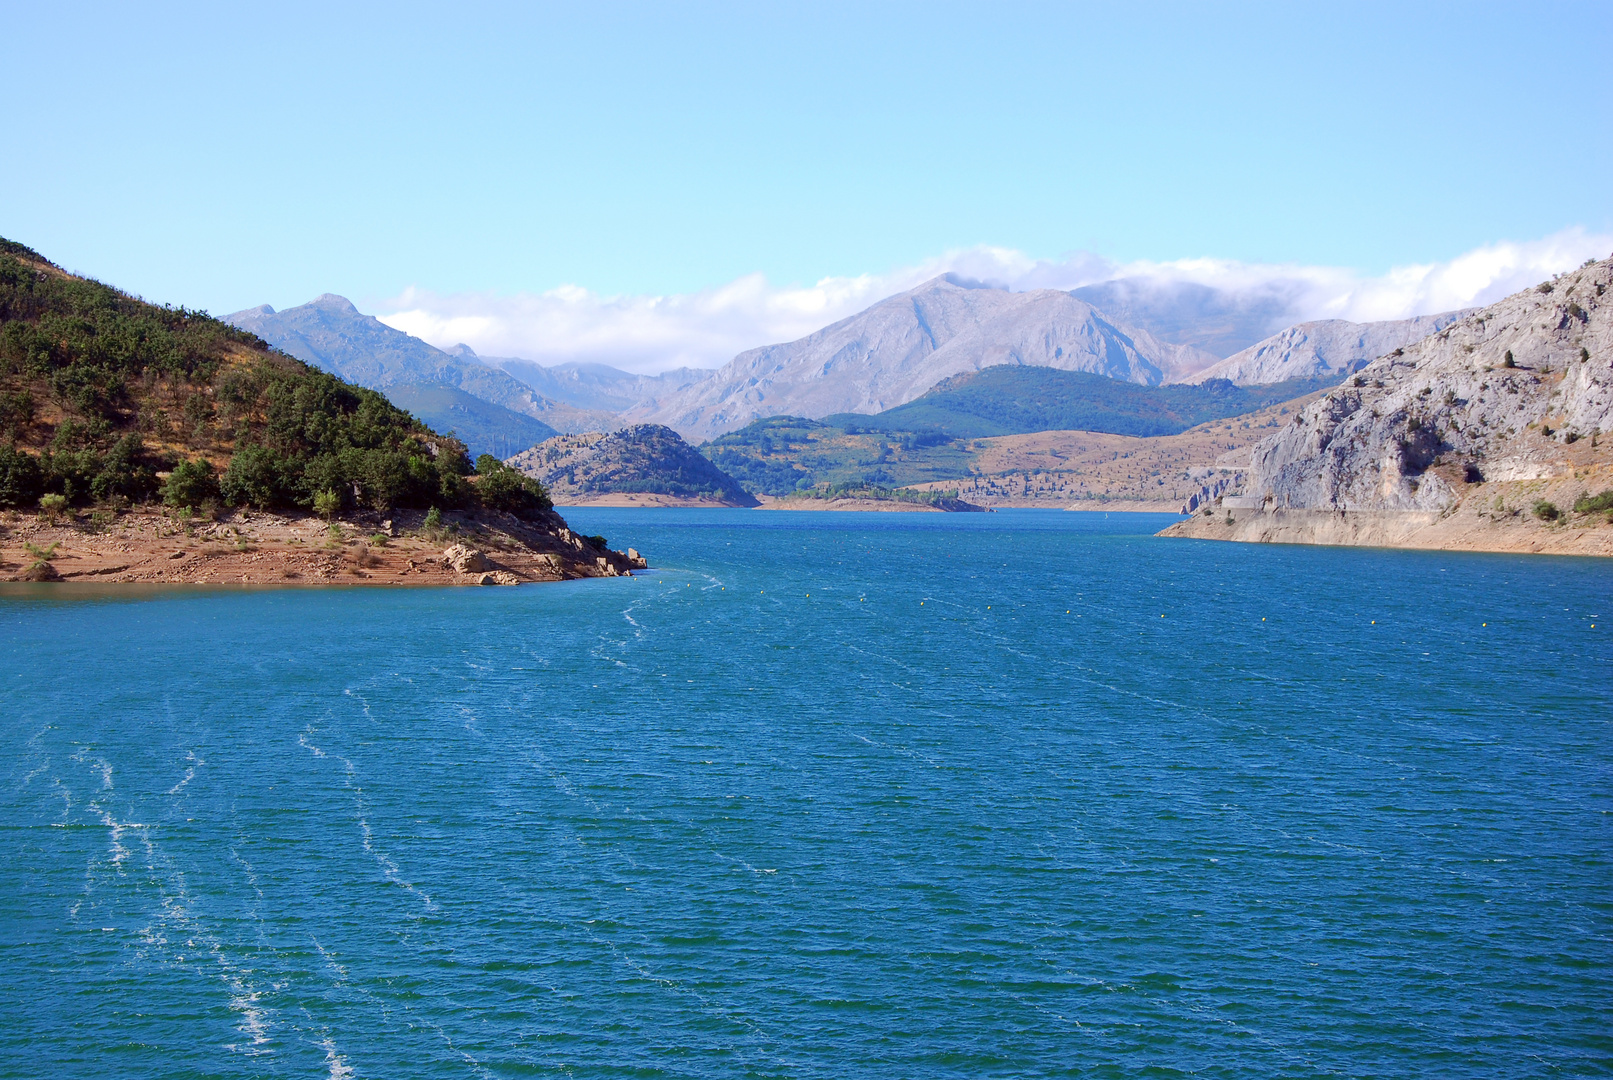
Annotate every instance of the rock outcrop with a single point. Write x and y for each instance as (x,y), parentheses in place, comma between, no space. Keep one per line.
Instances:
(1506,407)
(642,459)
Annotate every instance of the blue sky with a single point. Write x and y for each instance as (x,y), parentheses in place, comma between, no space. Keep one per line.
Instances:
(228,155)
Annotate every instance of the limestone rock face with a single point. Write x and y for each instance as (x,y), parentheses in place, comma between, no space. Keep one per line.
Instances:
(465,560)
(1497,395)
(1319,350)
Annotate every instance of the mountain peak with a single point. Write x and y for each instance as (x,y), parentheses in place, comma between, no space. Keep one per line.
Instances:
(331,302)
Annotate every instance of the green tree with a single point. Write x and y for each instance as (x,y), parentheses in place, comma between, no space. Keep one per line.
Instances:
(256,477)
(500,487)
(191,484)
(21,480)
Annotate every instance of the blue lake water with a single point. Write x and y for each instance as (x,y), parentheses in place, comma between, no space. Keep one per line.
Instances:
(828,795)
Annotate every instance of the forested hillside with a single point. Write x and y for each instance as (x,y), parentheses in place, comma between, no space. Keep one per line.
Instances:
(105,398)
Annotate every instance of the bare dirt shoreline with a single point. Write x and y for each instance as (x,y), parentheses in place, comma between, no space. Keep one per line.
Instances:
(1491,517)
(260,548)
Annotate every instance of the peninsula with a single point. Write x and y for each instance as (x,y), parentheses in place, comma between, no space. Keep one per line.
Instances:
(147,443)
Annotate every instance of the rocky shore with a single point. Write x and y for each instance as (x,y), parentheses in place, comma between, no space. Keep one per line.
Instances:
(261,548)
(1491,435)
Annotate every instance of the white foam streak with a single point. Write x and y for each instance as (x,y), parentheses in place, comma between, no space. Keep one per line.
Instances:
(339,1068)
(389,869)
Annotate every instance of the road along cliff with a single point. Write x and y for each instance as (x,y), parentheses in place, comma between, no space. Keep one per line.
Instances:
(1490,435)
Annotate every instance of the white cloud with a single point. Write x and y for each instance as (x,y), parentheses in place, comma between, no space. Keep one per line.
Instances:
(707,328)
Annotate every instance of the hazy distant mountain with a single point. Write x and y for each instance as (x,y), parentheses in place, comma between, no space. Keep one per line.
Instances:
(332,334)
(598,387)
(1219,321)
(483,427)
(903,345)
(1319,350)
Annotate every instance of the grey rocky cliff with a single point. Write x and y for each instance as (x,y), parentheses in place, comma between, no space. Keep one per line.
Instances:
(1318,350)
(1414,427)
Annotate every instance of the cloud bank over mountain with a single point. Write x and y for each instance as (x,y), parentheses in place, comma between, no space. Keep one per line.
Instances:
(1241,302)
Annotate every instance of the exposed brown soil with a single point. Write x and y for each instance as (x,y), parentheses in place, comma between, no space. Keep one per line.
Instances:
(252,547)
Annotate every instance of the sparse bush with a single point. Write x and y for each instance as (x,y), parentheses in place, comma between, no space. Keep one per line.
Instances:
(52,506)
(326,503)
(1546,511)
(433,519)
(1591,504)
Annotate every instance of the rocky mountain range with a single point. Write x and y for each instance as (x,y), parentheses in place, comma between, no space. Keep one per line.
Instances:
(903,345)
(1324,349)
(330,333)
(593,387)
(887,355)
(1491,426)
(1219,321)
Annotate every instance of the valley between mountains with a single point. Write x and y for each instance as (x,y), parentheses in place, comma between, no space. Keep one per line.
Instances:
(1480,429)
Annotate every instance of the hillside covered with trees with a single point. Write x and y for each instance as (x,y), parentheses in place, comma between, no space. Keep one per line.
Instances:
(108,399)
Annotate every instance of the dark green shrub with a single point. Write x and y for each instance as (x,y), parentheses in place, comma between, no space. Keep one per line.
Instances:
(123,473)
(1546,511)
(21,479)
(1508,361)
(256,477)
(500,487)
(191,484)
